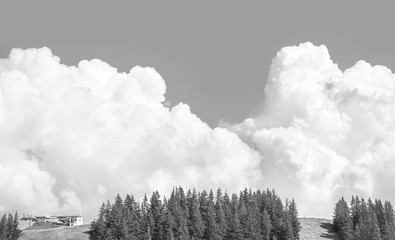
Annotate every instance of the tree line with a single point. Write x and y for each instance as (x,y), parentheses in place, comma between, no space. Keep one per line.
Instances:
(364,220)
(198,215)
(9,227)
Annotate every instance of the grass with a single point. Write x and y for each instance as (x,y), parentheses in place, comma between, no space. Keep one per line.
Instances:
(316,228)
(312,229)
(59,233)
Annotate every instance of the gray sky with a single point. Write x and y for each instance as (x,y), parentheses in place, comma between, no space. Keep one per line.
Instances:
(213,55)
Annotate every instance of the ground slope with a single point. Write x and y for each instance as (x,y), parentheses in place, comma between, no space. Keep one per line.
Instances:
(60,233)
(316,228)
(312,229)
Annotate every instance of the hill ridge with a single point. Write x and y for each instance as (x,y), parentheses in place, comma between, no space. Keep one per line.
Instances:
(312,229)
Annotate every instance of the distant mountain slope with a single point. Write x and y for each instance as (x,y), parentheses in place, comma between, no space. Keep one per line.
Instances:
(316,228)
(312,229)
(60,233)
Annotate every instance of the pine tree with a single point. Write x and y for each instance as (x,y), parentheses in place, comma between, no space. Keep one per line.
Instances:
(374,229)
(220,214)
(16,232)
(180,228)
(362,229)
(245,220)
(195,222)
(3,227)
(287,233)
(10,223)
(342,220)
(116,218)
(168,222)
(355,211)
(98,227)
(254,216)
(266,225)
(147,220)
(156,210)
(235,230)
(211,228)
(389,212)
(293,213)
(382,220)
(132,216)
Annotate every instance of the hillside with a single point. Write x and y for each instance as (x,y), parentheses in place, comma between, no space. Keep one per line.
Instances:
(312,229)
(316,228)
(60,233)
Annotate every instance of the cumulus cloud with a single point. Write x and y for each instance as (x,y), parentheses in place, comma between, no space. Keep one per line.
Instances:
(324,133)
(72,137)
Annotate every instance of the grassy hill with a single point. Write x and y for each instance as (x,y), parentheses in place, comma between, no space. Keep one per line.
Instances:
(312,229)
(316,228)
(59,233)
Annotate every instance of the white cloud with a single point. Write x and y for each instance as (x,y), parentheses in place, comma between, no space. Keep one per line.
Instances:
(72,137)
(324,133)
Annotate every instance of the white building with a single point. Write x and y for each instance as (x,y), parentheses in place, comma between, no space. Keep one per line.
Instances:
(71,220)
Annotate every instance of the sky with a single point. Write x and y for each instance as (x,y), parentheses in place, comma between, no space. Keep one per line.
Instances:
(215,56)
(219,97)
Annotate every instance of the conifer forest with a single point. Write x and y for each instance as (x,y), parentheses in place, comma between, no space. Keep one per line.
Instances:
(198,215)
(364,220)
(9,227)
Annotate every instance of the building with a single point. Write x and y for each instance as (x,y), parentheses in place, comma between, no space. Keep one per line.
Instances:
(71,220)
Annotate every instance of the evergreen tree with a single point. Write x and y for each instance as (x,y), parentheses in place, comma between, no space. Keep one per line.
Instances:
(3,227)
(362,229)
(342,220)
(355,211)
(266,226)
(180,228)
(374,229)
(195,222)
(245,220)
(235,230)
(382,220)
(293,213)
(16,232)
(156,210)
(132,216)
(168,223)
(211,228)
(255,217)
(116,218)
(389,212)
(147,220)
(287,233)
(10,223)
(220,214)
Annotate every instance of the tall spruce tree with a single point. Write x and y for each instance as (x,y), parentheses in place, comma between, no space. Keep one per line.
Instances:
(389,212)
(374,229)
(180,228)
(220,214)
(266,226)
(382,220)
(156,210)
(16,232)
(235,229)
(3,227)
(342,220)
(132,216)
(211,230)
(195,222)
